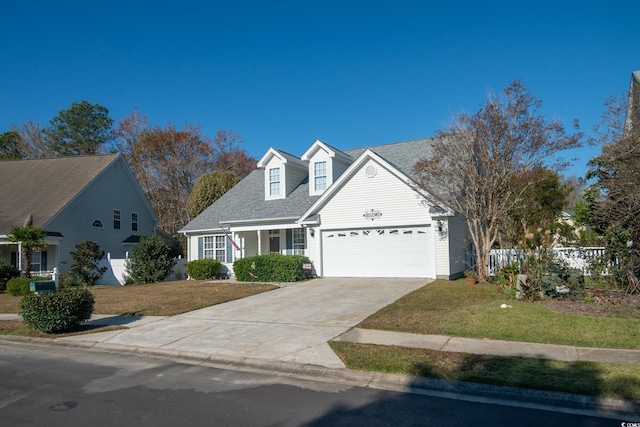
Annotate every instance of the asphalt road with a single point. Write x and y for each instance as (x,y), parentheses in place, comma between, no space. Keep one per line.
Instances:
(57,386)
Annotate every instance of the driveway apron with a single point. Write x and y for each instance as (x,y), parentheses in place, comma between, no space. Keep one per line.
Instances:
(292,323)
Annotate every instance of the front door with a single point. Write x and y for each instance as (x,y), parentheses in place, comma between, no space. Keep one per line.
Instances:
(274,241)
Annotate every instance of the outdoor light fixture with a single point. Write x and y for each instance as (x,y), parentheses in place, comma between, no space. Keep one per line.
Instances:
(439,226)
(312,231)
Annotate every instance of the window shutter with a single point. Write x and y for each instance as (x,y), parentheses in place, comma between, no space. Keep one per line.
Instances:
(200,248)
(43,261)
(289,241)
(229,251)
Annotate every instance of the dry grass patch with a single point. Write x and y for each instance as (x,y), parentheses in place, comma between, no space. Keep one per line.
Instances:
(158,299)
(170,298)
(11,327)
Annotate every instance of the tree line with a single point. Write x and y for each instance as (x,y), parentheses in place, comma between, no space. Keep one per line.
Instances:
(166,161)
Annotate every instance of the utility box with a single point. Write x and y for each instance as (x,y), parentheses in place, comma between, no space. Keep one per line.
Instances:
(40,287)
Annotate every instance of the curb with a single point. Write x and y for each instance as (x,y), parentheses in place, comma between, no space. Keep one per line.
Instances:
(512,396)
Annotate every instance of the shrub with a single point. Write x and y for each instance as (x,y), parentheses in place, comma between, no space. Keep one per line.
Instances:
(203,269)
(57,312)
(85,268)
(271,268)
(150,260)
(21,285)
(7,271)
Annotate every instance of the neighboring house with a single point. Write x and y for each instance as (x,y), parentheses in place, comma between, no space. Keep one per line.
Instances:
(72,199)
(353,213)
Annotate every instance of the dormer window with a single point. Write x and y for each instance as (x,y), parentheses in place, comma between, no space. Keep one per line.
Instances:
(274,181)
(320,176)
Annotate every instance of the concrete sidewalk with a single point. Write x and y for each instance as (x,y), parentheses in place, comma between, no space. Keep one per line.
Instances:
(402,339)
(491,347)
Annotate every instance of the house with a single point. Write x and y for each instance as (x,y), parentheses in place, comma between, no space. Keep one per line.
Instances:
(72,199)
(353,213)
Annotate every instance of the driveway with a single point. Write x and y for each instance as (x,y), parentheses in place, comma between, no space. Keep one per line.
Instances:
(292,323)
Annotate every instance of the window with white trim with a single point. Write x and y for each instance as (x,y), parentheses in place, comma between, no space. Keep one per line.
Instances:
(221,248)
(298,241)
(274,181)
(215,247)
(36,261)
(97,223)
(116,219)
(320,175)
(134,221)
(208,247)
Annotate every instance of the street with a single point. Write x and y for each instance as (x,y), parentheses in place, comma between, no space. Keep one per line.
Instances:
(59,386)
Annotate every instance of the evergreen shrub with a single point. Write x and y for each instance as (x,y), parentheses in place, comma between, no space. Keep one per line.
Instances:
(203,269)
(22,285)
(271,268)
(57,312)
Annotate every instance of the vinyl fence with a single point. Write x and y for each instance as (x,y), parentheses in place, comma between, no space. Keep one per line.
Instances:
(116,273)
(580,258)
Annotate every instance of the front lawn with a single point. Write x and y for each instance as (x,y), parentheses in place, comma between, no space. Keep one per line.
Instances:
(158,299)
(455,308)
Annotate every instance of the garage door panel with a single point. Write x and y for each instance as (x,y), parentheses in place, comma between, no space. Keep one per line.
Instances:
(383,252)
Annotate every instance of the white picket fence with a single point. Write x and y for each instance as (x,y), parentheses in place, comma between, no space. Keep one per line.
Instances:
(116,273)
(580,258)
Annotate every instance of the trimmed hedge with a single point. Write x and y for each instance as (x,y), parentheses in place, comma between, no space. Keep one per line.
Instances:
(271,268)
(57,312)
(203,269)
(21,285)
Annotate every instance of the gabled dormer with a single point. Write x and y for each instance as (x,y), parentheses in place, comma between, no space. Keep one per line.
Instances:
(282,173)
(326,164)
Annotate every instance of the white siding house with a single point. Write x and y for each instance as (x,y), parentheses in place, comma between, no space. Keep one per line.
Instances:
(353,213)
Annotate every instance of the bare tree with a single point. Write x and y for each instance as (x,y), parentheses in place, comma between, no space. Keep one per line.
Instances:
(229,156)
(473,162)
(32,143)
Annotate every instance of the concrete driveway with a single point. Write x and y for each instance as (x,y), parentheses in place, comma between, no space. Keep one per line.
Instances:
(292,323)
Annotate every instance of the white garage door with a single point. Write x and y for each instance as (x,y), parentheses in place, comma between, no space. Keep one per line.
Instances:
(381,252)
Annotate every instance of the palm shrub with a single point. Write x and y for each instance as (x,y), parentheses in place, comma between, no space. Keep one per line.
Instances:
(57,312)
(271,268)
(150,261)
(203,269)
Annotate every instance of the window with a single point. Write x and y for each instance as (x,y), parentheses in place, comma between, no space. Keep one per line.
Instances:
(215,247)
(298,241)
(39,261)
(97,223)
(221,248)
(116,219)
(274,181)
(209,247)
(134,221)
(320,175)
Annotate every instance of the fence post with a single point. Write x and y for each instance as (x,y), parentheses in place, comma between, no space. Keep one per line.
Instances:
(55,275)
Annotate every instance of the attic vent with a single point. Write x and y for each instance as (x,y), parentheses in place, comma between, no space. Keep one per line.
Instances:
(370,171)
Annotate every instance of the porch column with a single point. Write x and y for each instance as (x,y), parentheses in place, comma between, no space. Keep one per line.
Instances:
(259,243)
(20,256)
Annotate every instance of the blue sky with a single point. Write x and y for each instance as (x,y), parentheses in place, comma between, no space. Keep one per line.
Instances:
(285,73)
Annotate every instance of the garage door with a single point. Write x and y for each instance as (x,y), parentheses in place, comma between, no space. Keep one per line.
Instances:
(381,252)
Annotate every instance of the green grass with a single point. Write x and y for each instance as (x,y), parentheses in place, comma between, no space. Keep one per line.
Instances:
(454,308)
(589,378)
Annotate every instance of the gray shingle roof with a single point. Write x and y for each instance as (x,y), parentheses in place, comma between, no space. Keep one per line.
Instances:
(246,201)
(35,190)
